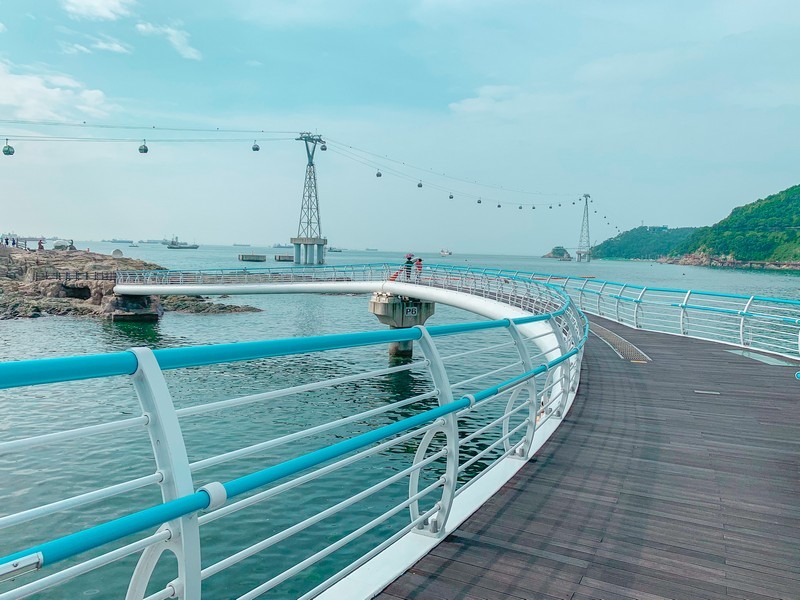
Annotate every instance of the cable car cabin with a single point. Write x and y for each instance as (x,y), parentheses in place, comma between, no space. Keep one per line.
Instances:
(256,147)
(8,150)
(143,149)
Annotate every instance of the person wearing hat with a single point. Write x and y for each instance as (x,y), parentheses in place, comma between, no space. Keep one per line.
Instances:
(407,265)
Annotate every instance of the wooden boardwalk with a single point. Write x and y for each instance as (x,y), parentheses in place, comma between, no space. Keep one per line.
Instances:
(678,478)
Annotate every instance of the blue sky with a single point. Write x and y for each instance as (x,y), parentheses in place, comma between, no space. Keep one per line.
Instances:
(666,112)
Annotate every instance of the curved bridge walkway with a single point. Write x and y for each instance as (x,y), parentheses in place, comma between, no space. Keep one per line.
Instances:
(674,477)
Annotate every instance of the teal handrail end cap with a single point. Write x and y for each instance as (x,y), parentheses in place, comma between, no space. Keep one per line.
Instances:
(797,375)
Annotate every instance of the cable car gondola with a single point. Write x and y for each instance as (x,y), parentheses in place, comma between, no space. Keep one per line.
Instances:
(451,196)
(419,184)
(378,174)
(143,148)
(256,147)
(8,150)
(323,147)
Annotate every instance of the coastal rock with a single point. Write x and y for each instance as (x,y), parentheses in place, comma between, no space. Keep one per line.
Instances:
(29,288)
(701,259)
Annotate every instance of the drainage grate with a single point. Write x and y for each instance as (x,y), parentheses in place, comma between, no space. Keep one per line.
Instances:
(621,346)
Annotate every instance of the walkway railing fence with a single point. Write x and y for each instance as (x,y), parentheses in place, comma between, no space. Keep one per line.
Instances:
(279,504)
(755,322)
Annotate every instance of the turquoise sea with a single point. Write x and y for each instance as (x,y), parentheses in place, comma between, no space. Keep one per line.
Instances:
(97,462)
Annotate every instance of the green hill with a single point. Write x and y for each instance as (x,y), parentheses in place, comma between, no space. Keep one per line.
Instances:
(765,230)
(643,242)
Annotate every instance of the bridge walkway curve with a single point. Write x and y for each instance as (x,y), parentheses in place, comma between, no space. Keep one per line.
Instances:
(673,478)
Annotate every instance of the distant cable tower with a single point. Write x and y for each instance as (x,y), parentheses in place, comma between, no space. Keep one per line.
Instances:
(309,232)
(584,245)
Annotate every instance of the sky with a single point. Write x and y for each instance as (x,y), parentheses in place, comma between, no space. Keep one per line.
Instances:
(668,112)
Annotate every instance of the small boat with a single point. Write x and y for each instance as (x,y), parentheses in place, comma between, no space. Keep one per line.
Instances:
(282,246)
(284,257)
(174,244)
(372,249)
(332,249)
(133,245)
(253,257)
(242,245)
(444,252)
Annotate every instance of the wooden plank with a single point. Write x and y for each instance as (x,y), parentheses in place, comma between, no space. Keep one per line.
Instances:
(648,489)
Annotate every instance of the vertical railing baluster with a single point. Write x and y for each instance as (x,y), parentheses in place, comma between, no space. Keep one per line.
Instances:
(436,525)
(172,462)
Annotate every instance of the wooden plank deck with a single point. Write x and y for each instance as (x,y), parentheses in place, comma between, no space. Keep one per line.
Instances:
(648,490)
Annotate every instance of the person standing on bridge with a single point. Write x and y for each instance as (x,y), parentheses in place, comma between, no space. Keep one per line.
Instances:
(418,273)
(407,265)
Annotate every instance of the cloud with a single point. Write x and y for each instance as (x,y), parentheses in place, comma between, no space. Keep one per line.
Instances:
(309,13)
(47,96)
(254,63)
(109,44)
(97,10)
(510,102)
(177,37)
(71,48)
(629,68)
(765,95)
(2,27)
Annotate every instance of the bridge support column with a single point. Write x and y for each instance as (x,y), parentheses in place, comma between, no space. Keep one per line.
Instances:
(400,312)
(306,247)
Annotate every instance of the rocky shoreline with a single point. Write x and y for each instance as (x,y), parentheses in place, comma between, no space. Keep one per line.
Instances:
(728,262)
(29,289)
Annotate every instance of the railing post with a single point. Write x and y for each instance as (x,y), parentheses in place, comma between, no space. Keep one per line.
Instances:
(563,373)
(172,463)
(742,322)
(619,299)
(436,524)
(637,309)
(533,403)
(581,294)
(684,322)
(600,297)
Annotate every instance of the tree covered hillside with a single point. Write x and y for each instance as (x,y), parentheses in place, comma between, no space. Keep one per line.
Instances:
(765,230)
(643,242)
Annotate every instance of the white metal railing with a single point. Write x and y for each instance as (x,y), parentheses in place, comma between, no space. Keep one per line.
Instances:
(486,394)
(759,323)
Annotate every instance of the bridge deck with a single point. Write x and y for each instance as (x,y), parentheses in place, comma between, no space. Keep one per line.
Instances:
(649,490)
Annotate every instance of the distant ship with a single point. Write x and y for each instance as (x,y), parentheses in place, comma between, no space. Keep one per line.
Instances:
(282,246)
(444,252)
(372,249)
(116,241)
(332,249)
(243,245)
(174,244)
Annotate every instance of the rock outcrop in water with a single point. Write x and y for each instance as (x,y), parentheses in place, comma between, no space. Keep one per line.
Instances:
(85,287)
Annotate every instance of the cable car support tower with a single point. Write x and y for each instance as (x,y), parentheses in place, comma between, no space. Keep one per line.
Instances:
(584,251)
(309,232)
